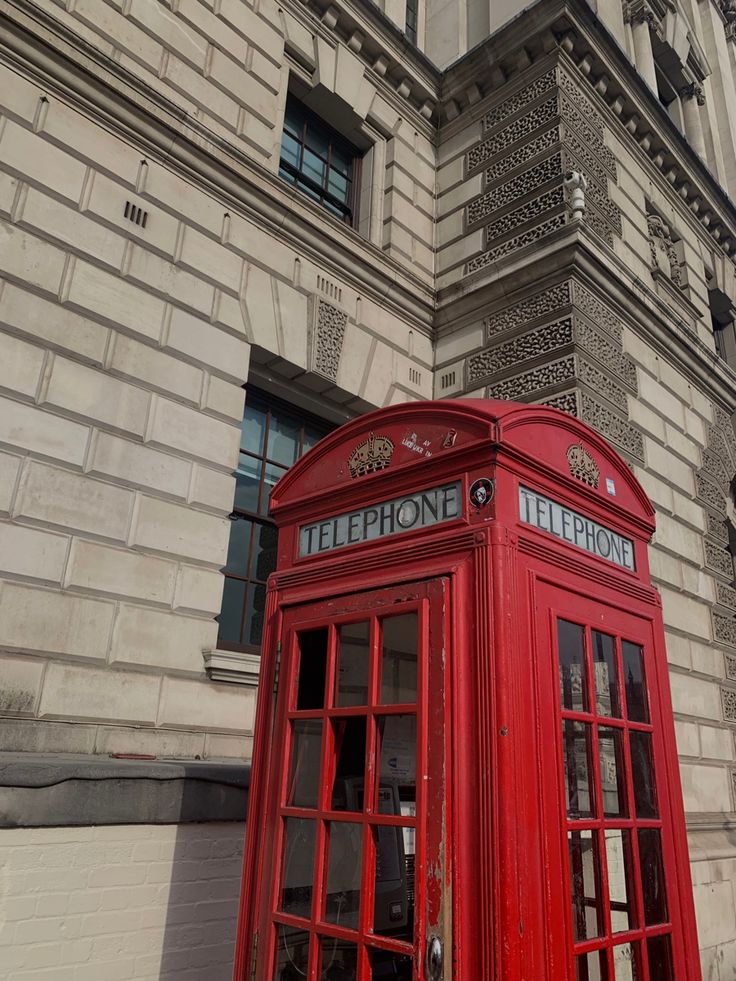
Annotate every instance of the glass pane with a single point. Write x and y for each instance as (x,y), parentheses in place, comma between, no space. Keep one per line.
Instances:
(399,663)
(263,559)
(303,786)
(587,915)
(239,547)
(642,768)
(292,953)
(573,688)
(298,870)
(660,958)
(337,185)
(347,789)
(290,150)
(591,967)
(652,876)
(317,139)
(605,674)
(635,682)
(339,960)
(312,669)
(271,476)
(314,168)
(386,966)
(342,158)
(620,886)
(255,611)
(393,909)
(352,672)
(610,747)
(252,430)
(397,760)
(311,438)
(625,959)
(247,483)
(283,440)
(231,615)
(294,116)
(578,770)
(345,854)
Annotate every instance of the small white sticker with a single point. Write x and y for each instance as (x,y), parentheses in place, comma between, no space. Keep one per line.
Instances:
(610,486)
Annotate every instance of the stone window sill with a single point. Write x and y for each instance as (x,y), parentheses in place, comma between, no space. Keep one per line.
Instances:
(233,667)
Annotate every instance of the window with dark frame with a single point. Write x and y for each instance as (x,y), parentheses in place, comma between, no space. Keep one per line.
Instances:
(273,436)
(412,19)
(319,162)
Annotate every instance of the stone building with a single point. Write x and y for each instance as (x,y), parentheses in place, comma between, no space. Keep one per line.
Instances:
(338,205)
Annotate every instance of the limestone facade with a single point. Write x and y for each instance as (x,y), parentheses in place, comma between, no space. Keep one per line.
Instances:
(545,216)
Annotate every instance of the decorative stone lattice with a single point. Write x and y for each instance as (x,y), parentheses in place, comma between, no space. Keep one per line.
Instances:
(613,427)
(518,242)
(591,136)
(522,313)
(522,155)
(532,209)
(602,385)
(582,103)
(728,703)
(511,134)
(522,386)
(715,528)
(520,349)
(616,362)
(597,311)
(726,595)
(328,336)
(709,494)
(714,466)
(717,559)
(723,421)
(730,660)
(491,201)
(591,165)
(567,402)
(530,92)
(724,629)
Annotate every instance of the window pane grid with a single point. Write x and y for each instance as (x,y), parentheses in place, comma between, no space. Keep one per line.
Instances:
(321,922)
(595,717)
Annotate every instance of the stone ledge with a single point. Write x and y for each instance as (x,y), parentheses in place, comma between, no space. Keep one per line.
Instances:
(235,667)
(50,791)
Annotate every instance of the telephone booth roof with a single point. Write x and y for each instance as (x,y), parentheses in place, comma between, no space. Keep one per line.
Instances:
(420,442)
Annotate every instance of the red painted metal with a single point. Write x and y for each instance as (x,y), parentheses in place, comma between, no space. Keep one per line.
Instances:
(493,873)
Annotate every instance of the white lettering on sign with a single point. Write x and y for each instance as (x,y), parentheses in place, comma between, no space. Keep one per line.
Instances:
(534,509)
(407,513)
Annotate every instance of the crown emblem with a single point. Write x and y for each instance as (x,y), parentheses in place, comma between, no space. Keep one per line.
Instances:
(374,454)
(582,465)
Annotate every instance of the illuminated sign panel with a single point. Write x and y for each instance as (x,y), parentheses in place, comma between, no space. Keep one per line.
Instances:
(407,513)
(541,512)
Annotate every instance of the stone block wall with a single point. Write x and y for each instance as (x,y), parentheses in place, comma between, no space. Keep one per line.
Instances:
(120,902)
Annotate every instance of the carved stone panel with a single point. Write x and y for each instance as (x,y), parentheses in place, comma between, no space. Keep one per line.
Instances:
(532,345)
(724,629)
(728,703)
(730,660)
(521,387)
(530,309)
(718,560)
(327,332)
(619,431)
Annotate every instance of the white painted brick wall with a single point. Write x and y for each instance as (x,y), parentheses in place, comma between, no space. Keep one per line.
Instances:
(119,903)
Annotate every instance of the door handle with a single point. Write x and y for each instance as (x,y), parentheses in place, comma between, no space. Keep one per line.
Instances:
(435,957)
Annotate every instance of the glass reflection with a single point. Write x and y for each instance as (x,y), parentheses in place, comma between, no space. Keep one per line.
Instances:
(298,869)
(573,686)
(610,748)
(231,615)
(352,672)
(247,482)
(587,914)
(338,960)
(283,440)
(393,908)
(252,430)
(347,788)
(652,876)
(344,862)
(399,662)
(605,675)
(238,546)
(577,759)
(624,963)
(620,889)
(312,669)
(292,954)
(642,767)
(637,708)
(303,784)
(397,758)
(591,967)
(659,950)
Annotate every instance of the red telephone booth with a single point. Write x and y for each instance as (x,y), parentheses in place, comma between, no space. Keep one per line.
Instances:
(464,763)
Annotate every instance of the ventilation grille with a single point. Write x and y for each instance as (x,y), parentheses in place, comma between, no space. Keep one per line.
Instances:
(329,289)
(415,377)
(135,214)
(447,380)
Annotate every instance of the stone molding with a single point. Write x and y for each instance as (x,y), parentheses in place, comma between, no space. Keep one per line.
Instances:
(235,667)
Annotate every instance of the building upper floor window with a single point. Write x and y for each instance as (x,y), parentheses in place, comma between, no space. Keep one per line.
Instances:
(320,162)
(273,436)
(412,12)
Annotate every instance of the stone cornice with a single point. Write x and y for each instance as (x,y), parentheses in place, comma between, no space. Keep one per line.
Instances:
(62,62)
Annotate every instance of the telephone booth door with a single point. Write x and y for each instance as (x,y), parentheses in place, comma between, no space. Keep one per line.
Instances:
(356,877)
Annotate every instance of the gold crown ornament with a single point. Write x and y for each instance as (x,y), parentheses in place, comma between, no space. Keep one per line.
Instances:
(582,465)
(372,455)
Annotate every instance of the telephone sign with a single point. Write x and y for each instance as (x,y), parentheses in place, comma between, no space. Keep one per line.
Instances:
(464,763)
